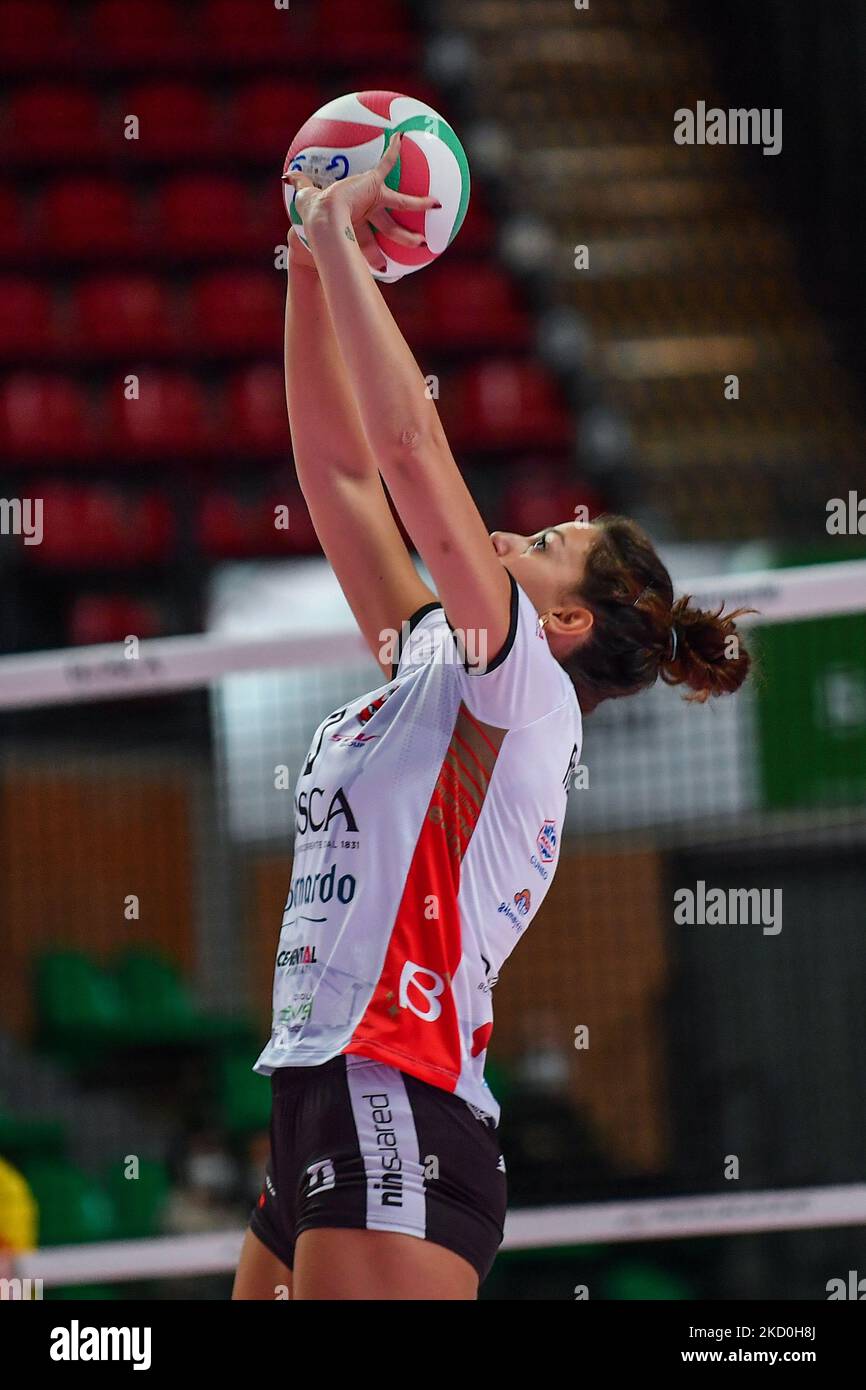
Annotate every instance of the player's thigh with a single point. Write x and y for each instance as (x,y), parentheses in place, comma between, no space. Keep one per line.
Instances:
(260,1275)
(378,1265)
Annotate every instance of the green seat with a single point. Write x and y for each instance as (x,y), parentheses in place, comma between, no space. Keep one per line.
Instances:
(160,1007)
(243,1097)
(158,1003)
(73,1207)
(79,1006)
(22,1138)
(139,1203)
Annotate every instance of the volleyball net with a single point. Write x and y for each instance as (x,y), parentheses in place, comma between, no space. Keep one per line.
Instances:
(676,1042)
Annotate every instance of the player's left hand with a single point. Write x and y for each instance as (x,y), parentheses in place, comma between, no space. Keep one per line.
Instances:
(365,198)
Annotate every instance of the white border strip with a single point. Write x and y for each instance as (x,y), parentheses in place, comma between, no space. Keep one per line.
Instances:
(167,663)
(663,1218)
(667,1218)
(178,663)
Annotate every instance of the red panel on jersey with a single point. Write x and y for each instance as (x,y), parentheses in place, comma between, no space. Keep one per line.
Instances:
(411,1021)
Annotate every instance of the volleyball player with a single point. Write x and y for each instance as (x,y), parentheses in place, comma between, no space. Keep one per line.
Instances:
(429,811)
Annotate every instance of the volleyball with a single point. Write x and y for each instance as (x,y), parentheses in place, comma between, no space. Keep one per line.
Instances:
(349,136)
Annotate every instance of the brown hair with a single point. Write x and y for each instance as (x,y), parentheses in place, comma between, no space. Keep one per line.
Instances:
(639,633)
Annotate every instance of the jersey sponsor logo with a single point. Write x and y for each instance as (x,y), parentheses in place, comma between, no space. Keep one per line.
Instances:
(539,867)
(523,901)
(547,840)
(295,1015)
(353,740)
(312,888)
(510,915)
(390,1182)
(424,1000)
(312,814)
(296,959)
(321,1177)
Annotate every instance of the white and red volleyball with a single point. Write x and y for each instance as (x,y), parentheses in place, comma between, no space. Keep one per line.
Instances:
(349,136)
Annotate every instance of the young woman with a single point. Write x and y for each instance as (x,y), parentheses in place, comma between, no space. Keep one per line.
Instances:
(428,811)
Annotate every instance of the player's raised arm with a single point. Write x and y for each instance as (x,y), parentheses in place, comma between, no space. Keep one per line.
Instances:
(337,469)
(399,418)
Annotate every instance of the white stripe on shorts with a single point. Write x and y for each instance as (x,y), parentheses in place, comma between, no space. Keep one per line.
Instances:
(389,1144)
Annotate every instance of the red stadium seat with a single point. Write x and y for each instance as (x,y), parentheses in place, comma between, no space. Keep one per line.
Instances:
(464,306)
(27,320)
(43,414)
(257,406)
(544,493)
(90,527)
(231,527)
(35,34)
(268,114)
(381,37)
(241,33)
(122,314)
(52,121)
(476,304)
(500,405)
(169,417)
(13,233)
(239,311)
(146,33)
(95,618)
(208,216)
(88,217)
(176,119)
(476,236)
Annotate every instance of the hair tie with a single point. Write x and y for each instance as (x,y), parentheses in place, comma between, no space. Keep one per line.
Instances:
(673,654)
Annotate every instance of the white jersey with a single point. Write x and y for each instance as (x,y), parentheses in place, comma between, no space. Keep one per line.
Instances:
(428,819)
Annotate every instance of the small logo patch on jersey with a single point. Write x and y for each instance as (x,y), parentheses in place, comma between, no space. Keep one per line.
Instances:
(501,1164)
(547,841)
(322,1177)
(523,901)
(366,714)
(353,740)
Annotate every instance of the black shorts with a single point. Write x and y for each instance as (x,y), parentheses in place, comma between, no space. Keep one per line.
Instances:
(358,1144)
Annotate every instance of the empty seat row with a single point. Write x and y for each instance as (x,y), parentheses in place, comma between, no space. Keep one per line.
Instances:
(45,34)
(493,405)
(100,526)
(175,119)
(50,415)
(91,218)
(198,216)
(239,311)
(105,527)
